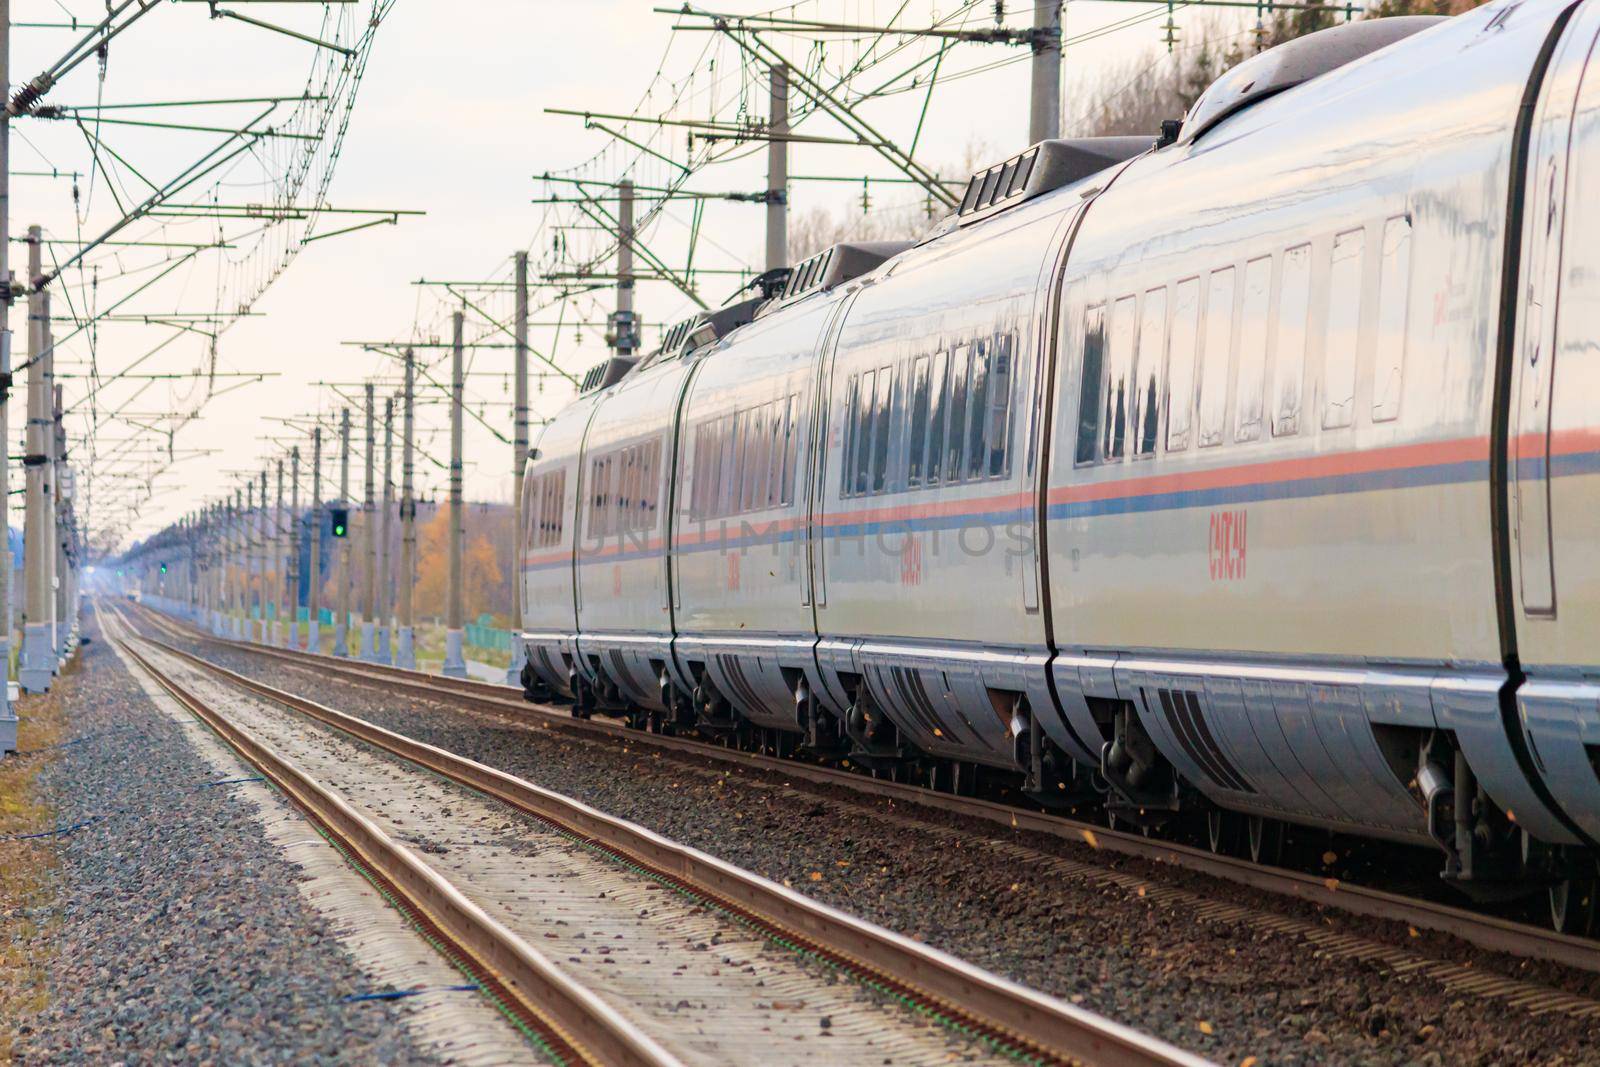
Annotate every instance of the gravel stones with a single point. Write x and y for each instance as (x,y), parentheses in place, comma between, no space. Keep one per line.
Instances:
(1228,991)
(178,930)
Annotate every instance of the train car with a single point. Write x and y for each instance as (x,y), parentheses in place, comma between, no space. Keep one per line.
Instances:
(1251,473)
(549,631)
(746,641)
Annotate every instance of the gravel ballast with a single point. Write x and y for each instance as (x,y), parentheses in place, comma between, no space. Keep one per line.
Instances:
(177,930)
(1231,991)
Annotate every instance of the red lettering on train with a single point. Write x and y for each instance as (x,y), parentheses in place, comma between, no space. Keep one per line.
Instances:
(616,579)
(733,572)
(1227,544)
(911,561)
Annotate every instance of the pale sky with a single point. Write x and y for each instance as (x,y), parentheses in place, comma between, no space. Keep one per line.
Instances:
(450,120)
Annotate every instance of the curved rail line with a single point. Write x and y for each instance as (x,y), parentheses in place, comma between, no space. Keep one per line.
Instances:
(1032,1025)
(1488,932)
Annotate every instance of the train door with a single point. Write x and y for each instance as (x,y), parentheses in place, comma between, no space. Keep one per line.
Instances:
(1529,443)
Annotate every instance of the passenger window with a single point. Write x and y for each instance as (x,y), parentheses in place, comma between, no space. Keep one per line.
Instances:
(1344,321)
(978,410)
(956,433)
(1394,290)
(760,459)
(937,387)
(863,467)
(998,432)
(884,392)
(728,472)
(1214,357)
(786,485)
(852,439)
(1289,364)
(1180,368)
(1150,352)
(1119,364)
(1252,349)
(1094,348)
(917,432)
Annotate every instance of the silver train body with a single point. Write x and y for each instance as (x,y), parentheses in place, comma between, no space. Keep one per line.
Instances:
(1259,471)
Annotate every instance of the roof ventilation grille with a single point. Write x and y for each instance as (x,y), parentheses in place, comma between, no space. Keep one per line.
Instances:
(607,372)
(838,264)
(1045,166)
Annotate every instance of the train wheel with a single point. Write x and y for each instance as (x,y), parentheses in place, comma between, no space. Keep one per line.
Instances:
(1265,837)
(1573,906)
(1223,831)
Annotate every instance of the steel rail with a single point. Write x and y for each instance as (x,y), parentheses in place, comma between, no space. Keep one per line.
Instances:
(576,1024)
(1488,932)
(1024,1021)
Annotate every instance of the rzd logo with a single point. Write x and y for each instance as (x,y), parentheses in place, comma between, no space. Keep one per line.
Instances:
(911,561)
(1227,545)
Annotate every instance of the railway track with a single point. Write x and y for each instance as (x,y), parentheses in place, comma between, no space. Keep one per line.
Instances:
(1487,932)
(932,999)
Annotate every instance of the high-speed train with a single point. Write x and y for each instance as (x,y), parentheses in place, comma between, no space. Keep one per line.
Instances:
(1252,472)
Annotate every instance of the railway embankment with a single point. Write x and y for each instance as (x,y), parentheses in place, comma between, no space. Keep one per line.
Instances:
(168,910)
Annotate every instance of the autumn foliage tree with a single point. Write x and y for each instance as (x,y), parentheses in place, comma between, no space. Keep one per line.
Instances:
(484,580)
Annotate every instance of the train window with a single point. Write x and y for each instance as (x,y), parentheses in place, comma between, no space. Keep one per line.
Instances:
(1251,379)
(978,409)
(1394,289)
(530,509)
(955,435)
(790,446)
(652,483)
(847,454)
(1214,357)
(998,431)
(754,470)
(1180,366)
(863,463)
(917,431)
(727,464)
(551,490)
(1149,354)
(1119,368)
(600,471)
(627,482)
(937,386)
(1289,363)
(883,395)
(1094,345)
(1344,321)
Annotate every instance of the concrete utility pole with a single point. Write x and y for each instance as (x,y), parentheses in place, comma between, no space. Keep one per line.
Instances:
(8,718)
(37,664)
(241,576)
(455,665)
(341,625)
(274,634)
(249,559)
(314,594)
(369,576)
(385,532)
(625,328)
(60,614)
(406,655)
(292,594)
(1044,111)
(519,460)
(263,555)
(778,169)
